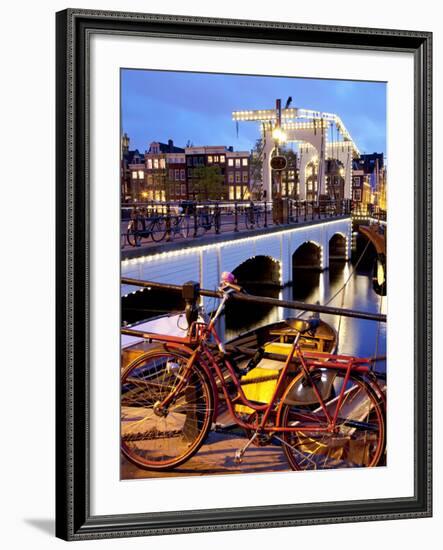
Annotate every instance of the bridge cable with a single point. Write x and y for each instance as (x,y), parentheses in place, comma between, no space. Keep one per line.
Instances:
(377,336)
(343,288)
(342,305)
(344,284)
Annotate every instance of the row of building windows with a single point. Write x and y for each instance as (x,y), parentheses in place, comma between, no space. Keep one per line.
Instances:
(287,188)
(195,161)
(138,175)
(156,164)
(160,163)
(160,194)
(311,185)
(216,159)
(238,192)
(289,174)
(238,162)
(177,174)
(195,173)
(238,177)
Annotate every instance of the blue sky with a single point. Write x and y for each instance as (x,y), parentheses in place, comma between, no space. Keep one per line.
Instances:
(162,105)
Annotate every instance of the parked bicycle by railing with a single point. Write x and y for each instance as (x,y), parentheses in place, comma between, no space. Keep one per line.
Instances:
(207,217)
(144,226)
(168,220)
(177,223)
(253,216)
(324,410)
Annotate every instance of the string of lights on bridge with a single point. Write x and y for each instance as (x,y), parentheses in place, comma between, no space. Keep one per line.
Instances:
(316,120)
(200,249)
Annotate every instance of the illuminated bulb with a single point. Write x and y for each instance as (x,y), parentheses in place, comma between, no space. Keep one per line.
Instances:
(278,134)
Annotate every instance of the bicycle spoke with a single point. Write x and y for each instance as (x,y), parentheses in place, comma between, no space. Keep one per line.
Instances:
(160,439)
(356,441)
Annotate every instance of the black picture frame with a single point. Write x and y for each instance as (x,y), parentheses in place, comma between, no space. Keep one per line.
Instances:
(73,518)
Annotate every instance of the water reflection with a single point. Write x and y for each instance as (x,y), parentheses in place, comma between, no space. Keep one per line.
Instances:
(356,336)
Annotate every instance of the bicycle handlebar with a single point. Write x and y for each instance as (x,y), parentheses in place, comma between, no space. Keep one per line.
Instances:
(230,286)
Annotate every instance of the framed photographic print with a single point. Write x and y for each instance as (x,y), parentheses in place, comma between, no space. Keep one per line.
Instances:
(241,342)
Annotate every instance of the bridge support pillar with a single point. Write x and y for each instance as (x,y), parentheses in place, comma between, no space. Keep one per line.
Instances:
(325,255)
(286,260)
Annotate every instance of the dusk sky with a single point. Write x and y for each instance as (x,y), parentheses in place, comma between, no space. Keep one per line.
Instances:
(158,105)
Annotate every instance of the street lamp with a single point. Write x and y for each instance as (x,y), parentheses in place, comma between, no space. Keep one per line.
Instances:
(279,135)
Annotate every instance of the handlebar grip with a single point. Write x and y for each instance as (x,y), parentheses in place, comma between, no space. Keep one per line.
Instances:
(237,288)
(232,286)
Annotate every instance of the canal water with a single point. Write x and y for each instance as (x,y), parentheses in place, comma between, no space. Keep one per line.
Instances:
(356,336)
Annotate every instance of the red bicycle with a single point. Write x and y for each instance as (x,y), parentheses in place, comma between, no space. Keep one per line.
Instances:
(325,411)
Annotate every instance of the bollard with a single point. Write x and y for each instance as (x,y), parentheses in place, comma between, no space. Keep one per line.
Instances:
(191,296)
(168,222)
(235,217)
(195,220)
(217,219)
(266,215)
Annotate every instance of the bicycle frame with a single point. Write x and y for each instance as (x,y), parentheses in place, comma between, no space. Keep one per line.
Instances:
(195,346)
(147,225)
(178,222)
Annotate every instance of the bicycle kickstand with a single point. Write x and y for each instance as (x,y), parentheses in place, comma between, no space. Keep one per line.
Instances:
(238,457)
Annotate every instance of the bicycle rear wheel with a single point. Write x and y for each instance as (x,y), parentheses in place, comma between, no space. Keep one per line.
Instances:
(258,219)
(161,442)
(249,219)
(158,230)
(359,439)
(205,222)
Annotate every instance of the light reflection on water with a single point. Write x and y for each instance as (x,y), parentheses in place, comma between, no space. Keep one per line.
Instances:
(356,336)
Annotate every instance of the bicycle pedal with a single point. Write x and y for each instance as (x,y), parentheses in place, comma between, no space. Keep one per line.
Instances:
(238,457)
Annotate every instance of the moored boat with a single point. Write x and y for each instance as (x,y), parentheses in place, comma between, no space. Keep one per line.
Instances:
(276,340)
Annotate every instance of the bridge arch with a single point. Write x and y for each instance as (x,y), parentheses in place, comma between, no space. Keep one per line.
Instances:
(206,263)
(259,270)
(309,255)
(338,247)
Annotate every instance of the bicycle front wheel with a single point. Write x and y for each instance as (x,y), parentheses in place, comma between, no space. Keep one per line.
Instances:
(133,236)
(154,441)
(359,437)
(184,227)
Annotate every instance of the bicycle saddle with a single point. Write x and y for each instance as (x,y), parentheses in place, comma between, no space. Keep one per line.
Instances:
(303,325)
